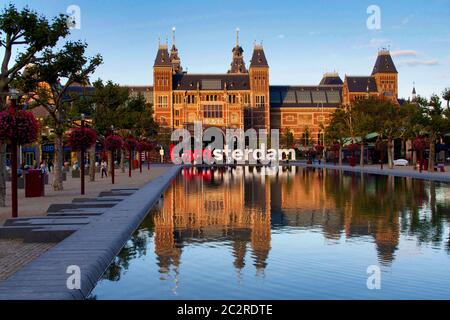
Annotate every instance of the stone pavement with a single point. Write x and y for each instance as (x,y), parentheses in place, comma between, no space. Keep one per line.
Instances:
(14,254)
(32,207)
(89,250)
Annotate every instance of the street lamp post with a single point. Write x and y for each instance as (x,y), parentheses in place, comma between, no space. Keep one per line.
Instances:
(130,158)
(112,159)
(82,158)
(14,205)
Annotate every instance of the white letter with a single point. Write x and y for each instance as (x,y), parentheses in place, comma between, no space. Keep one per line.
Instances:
(374,279)
(74,280)
(374,20)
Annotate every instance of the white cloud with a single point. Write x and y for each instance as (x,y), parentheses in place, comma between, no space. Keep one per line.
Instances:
(404,53)
(281,36)
(417,62)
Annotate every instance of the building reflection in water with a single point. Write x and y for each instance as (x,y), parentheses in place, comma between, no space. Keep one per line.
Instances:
(215,206)
(240,208)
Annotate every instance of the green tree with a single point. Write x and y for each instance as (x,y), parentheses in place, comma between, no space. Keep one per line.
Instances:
(338,130)
(108,98)
(362,116)
(23,33)
(435,124)
(43,82)
(287,138)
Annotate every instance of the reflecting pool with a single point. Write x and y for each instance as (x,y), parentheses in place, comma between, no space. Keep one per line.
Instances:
(300,234)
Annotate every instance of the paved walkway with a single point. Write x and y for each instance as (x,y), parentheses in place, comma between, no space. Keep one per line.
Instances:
(14,254)
(91,249)
(31,207)
(407,172)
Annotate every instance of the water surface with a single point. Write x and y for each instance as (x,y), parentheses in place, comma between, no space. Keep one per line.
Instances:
(301,234)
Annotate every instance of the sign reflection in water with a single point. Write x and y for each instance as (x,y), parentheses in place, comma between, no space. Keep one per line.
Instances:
(305,233)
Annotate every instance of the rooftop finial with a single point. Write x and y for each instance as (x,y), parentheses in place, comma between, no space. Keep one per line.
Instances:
(173,34)
(237,37)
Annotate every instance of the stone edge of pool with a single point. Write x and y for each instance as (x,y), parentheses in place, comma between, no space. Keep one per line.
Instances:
(92,249)
(386,172)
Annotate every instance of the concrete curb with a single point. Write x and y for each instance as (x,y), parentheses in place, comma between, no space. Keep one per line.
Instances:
(385,172)
(92,248)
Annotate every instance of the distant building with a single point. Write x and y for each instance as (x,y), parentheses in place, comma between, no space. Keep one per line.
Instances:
(243,97)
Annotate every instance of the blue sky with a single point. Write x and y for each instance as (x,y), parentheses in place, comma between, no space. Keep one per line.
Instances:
(302,39)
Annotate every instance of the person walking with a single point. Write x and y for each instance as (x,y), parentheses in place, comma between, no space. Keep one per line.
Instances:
(104,167)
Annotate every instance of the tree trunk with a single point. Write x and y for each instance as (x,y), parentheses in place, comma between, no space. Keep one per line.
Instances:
(92,163)
(340,155)
(361,157)
(122,160)
(57,174)
(432,154)
(2,175)
(390,149)
(414,158)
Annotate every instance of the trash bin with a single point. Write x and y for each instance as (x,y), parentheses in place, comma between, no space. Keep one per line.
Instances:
(34,184)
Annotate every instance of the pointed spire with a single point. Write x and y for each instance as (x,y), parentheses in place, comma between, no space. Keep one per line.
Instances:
(384,63)
(162,56)
(173,35)
(174,58)
(414,93)
(237,63)
(259,57)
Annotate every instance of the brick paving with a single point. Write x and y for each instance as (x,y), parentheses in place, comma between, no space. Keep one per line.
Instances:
(14,254)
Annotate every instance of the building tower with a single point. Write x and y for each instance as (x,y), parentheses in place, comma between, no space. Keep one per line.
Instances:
(258,115)
(162,87)
(386,76)
(238,64)
(414,93)
(174,57)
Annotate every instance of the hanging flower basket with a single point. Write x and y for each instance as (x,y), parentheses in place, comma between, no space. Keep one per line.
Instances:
(130,143)
(113,143)
(81,138)
(140,146)
(420,144)
(19,126)
(353,147)
(319,148)
(335,147)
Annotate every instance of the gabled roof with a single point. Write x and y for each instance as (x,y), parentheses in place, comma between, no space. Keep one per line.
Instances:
(327,96)
(360,84)
(186,81)
(259,57)
(162,57)
(384,63)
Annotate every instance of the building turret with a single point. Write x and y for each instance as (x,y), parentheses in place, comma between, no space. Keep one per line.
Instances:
(386,76)
(414,93)
(174,57)
(259,113)
(238,64)
(162,87)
